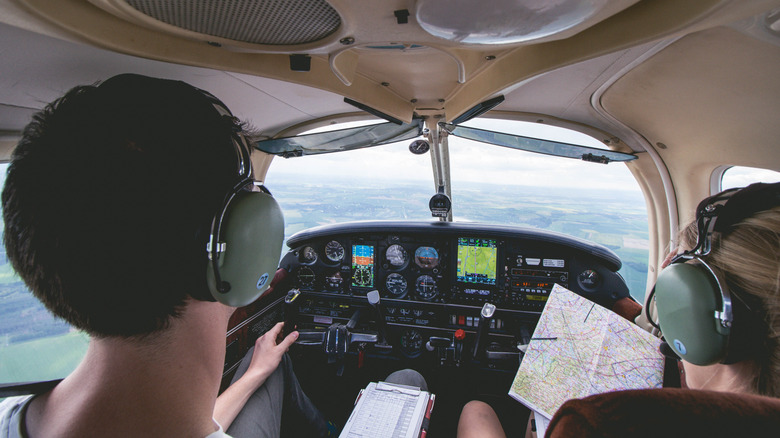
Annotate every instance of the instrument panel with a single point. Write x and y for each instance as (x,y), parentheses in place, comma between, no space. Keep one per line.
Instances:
(434,277)
(453,264)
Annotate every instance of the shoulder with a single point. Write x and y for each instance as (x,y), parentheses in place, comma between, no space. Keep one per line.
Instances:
(12,414)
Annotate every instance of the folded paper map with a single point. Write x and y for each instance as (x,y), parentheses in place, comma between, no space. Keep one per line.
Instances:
(580,348)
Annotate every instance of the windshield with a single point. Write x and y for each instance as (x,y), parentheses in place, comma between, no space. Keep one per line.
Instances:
(490,184)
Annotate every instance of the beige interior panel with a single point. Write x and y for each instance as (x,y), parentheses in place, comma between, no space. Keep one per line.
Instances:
(709,99)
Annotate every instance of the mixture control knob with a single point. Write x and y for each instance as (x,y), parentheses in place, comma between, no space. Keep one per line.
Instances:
(459,336)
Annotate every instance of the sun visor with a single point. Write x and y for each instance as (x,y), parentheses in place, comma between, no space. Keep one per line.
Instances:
(539,146)
(341,140)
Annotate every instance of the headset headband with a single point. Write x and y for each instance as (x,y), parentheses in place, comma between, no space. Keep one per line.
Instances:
(239,140)
(245,178)
(722,211)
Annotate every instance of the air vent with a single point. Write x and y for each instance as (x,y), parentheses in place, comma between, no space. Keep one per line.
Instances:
(266,22)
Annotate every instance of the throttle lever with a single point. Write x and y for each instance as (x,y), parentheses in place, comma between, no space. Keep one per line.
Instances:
(336,342)
(485,317)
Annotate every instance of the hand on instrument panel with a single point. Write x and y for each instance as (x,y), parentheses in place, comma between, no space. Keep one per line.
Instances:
(268,352)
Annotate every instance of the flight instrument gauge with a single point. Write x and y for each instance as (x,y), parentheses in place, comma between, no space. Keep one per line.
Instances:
(426,287)
(334,251)
(333,282)
(362,277)
(411,343)
(396,255)
(426,257)
(419,147)
(308,255)
(306,276)
(396,285)
(588,279)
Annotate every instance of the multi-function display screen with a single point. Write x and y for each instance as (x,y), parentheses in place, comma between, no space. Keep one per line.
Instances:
(477,261)
(362,266)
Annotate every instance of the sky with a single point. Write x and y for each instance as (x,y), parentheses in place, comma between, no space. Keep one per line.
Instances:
(470,162)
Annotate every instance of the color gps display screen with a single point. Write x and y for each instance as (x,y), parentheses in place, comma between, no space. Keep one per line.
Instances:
(477,261)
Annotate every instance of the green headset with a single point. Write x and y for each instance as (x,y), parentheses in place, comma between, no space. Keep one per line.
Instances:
(246,235)
(695,309)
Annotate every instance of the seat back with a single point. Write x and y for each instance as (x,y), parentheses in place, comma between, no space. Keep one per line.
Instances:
(667,412)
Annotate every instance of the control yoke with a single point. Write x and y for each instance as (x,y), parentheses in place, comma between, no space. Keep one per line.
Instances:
(337,339)
(290,311)
(379,314)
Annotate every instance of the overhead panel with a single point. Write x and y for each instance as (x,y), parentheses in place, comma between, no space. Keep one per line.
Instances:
(261,22)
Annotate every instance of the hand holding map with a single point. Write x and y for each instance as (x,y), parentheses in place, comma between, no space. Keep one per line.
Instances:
(580,348)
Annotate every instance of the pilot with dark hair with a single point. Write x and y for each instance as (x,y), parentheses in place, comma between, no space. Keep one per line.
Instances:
(108,205)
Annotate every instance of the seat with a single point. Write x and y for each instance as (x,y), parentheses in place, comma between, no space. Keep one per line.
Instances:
(667,412)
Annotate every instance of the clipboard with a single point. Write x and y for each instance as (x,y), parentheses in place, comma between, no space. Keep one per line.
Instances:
(388,410)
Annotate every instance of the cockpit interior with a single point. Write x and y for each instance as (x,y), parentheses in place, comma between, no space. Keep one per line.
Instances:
(435,275)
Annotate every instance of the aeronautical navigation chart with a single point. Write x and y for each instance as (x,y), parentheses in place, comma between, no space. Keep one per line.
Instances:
(580,348)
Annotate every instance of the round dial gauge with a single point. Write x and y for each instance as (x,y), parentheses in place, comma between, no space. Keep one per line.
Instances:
(334,251)
(588,279)
(396,284)
(396,255)
(411,343)
(308,255)
(426,287)
(426,257)
(333,282)
(419,147)
(306,276)
(362,277)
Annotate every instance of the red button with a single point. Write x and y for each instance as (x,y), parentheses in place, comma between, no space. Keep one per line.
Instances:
(460,334)
(461,320)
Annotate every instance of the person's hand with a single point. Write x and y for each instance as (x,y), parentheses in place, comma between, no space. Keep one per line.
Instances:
(268,353)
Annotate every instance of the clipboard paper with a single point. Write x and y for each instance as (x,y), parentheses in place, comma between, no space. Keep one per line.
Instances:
(388,410)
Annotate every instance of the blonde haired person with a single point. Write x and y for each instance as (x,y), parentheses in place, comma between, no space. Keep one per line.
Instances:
(742,248)
(747,259)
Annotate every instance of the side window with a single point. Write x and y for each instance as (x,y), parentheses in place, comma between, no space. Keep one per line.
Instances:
(740,176)
(34,345)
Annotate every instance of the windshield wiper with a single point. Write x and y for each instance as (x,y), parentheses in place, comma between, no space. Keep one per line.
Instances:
(341,140)
(530,144)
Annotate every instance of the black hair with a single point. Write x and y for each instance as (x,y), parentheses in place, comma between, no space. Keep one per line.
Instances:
(108,201)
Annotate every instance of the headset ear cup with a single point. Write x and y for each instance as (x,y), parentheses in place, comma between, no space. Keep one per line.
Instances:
(252,230)
(686,300)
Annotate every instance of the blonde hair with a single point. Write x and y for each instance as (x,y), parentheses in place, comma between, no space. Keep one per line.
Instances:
(748,259)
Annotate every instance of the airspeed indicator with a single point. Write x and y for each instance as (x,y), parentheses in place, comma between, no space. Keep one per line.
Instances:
(396,255)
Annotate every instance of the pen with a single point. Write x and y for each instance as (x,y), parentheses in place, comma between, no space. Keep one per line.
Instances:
(545,339)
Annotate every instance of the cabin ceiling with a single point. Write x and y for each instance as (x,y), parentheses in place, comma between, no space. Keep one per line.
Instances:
(631,73)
